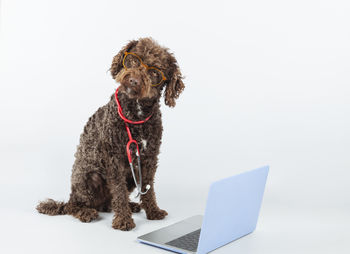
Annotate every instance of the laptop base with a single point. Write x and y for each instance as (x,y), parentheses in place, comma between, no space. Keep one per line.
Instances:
(164,237)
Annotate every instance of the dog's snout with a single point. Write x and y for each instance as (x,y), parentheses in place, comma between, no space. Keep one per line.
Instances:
(134,81)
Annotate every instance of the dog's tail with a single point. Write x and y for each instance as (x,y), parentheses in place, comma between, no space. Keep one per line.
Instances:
(51,207)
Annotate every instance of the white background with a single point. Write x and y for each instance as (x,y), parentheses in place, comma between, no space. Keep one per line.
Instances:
(267,82)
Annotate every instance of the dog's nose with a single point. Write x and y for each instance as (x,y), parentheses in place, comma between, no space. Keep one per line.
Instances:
(134,81)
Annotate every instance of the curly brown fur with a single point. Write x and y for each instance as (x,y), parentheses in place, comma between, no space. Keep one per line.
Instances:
(51,207)
(101,177)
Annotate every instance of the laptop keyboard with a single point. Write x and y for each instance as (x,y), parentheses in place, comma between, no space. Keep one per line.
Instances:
(187,242)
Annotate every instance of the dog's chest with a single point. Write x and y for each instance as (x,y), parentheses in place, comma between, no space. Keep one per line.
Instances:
(143,144)
(142,138)
(143,133)
(139,109)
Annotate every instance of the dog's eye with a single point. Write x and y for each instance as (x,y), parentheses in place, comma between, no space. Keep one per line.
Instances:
(155,76)
(131,61)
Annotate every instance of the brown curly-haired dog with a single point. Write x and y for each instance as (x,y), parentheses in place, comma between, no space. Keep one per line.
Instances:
(101,176)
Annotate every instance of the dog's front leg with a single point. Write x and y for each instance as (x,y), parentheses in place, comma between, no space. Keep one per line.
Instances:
(120,201)
(148,200)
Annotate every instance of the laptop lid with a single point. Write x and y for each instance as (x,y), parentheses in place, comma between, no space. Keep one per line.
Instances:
(232,208)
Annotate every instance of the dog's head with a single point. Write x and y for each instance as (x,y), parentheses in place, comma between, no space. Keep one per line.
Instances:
(143,69)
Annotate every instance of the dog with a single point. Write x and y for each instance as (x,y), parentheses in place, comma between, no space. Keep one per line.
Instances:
(102,179)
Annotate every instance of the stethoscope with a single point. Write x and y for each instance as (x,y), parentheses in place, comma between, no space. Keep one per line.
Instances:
(128,151)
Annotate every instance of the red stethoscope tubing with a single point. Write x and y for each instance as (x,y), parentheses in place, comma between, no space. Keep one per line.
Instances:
(126,120)
(120,112)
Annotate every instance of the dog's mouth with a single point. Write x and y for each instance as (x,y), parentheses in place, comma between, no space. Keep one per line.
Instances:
(129,85)
(135,86)
(131,92)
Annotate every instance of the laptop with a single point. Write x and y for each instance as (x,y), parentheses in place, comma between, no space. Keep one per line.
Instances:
(231,212)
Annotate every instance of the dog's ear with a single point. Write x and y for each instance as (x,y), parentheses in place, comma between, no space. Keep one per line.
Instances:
(174,87)
(117,63)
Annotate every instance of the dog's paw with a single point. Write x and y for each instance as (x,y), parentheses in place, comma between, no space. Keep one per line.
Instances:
(87,215)
(123,224)
(156,214)
(135,207)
